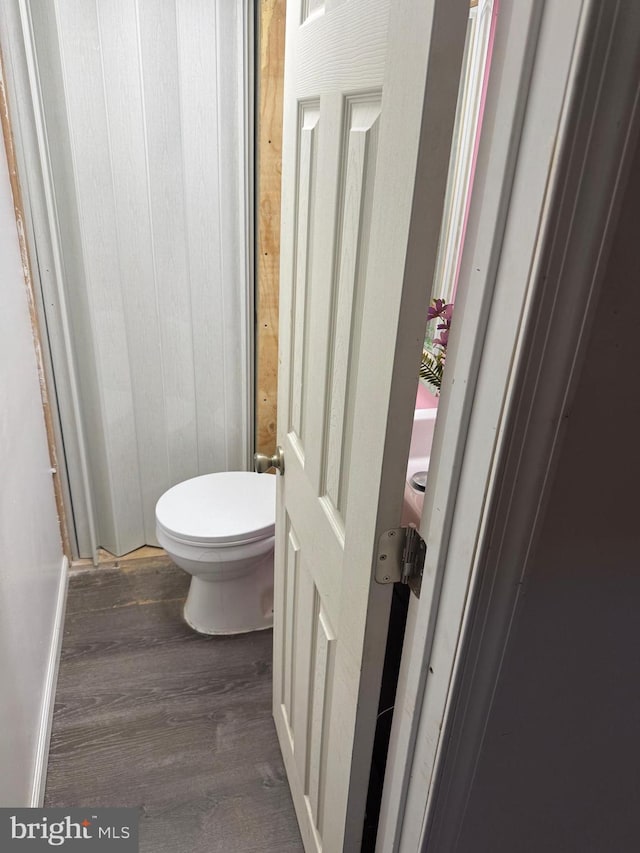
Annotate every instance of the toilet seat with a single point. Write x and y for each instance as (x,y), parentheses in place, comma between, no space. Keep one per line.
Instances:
(223,509)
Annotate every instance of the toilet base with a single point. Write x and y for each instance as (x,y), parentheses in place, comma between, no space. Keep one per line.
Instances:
(234,606)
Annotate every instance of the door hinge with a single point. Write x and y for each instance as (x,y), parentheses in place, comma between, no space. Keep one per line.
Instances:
(400,558)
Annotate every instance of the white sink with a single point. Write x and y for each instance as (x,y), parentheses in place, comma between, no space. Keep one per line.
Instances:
(419,454)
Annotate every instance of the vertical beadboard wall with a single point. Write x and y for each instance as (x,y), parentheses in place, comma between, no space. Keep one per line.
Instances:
(145,108)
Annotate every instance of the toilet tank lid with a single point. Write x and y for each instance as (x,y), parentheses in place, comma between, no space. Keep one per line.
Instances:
(231,506)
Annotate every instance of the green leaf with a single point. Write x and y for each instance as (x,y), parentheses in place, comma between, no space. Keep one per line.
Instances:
(431,369)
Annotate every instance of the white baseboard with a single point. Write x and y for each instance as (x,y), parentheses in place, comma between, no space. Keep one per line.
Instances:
(48,699)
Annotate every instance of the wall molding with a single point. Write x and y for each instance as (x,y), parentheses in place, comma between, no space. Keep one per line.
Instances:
(49,693)
(42,231)
(46,380)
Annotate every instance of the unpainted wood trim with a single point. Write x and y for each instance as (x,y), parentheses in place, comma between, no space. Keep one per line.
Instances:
(147,554)
(18,205)
(269,171)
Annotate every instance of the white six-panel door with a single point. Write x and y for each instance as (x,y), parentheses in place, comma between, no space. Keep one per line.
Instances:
(363,185)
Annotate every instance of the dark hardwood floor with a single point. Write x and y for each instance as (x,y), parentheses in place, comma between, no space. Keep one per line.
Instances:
(150,714)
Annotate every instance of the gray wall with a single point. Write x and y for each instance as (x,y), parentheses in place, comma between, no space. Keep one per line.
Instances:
(30,549)
(560,767)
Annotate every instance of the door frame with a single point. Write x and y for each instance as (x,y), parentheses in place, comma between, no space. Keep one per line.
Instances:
(477,49)
(539,228)
(43,240)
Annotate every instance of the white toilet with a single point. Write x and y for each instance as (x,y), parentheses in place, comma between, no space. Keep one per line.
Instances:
(220,529)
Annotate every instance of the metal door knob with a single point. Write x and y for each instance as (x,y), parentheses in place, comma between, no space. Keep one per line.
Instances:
(262,463)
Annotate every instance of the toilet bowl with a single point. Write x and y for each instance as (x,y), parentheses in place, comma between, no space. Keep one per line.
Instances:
(220,529)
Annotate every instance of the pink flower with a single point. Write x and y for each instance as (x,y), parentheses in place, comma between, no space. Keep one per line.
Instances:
(443,311)
(440,308)
(435,309)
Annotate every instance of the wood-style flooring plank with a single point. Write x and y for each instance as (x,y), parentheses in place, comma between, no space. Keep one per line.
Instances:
(150,714)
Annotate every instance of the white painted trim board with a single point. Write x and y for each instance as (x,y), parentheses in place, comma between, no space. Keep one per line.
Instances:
(49,693)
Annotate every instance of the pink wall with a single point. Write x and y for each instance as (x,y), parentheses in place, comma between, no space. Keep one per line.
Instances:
(425,399)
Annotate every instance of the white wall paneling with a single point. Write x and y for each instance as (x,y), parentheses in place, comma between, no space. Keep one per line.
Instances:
(146,117)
